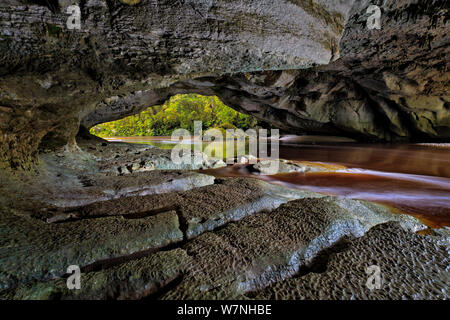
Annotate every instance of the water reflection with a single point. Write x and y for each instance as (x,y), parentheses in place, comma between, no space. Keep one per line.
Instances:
(219,148)
(413,179)
(427,198)
(404,158)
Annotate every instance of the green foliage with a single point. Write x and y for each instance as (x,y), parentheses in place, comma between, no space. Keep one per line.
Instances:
(180,111)
(53,30)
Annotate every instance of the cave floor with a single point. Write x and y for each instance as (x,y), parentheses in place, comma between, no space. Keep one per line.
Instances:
(140,227)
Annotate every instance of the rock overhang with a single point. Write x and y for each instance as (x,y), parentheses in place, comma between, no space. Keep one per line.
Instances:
(304,66)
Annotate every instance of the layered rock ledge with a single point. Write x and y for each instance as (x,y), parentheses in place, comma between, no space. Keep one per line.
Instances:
(140,226)
(304,66)
(177,234)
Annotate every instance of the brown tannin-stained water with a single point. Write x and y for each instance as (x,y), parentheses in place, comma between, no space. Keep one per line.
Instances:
(429,160)
(427,198)
(411,178)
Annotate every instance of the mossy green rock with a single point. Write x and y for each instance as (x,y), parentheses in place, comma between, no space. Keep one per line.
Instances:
(130,2)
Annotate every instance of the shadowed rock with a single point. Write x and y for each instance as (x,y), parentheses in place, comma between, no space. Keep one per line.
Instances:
(303,66)
(411,267)
(131,280)
(269,247)
(35,250)
(244,256)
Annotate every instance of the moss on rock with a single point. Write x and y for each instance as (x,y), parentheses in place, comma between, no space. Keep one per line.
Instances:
(130,2)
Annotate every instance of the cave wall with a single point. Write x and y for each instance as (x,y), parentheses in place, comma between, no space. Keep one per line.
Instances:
(307,66)
(52,77)
(387,85)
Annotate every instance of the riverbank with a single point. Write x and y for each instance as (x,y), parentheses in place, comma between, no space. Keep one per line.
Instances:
(150,232)
(411,178)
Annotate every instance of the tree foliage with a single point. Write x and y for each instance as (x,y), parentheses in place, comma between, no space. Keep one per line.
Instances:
(179,111)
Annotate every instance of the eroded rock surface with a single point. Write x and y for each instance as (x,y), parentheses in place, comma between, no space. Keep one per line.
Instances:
(405,260)
(72,212)
(272,246)
(140,231)
(131,280)
(247,255)
(303,66)
(52,76)
(36,250)
(225,237)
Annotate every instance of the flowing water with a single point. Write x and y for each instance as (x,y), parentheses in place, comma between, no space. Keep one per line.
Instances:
(411,178)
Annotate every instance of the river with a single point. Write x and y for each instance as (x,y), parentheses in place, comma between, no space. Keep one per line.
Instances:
(410,178)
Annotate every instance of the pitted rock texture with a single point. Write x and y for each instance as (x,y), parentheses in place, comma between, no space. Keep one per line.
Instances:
(131,280)
(116,216)
(200,209)
(406,263)
(304,66)
(272,246)
(58,186)
(230,262)
(36,250)
(240,234)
